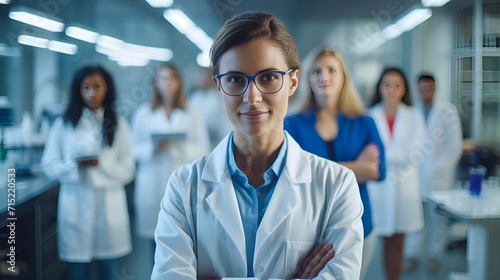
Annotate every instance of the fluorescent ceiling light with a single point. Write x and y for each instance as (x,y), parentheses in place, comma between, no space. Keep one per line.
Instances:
(203,59)
(33,41)
(159,54)
(82,34)
(127,54)
(434,3)
(5,2)
(132,62)
(43,43)
(36,18)
(110,42)
(62,47)
(179,20)
(413,19)
(187,27)
(125,60)
(200,38)
(160,3)
(391,31)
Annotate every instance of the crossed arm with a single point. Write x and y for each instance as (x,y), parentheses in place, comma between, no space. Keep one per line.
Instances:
(312,264)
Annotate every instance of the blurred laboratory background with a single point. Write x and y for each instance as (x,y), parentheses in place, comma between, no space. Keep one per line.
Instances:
(44,42)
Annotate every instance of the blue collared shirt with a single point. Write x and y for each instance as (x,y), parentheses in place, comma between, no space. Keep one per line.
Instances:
(252,201)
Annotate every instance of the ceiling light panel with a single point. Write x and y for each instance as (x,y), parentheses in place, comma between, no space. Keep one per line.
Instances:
(36,18)
(434,3)
(33,41)
(62,47)
(82,34)
(160,3)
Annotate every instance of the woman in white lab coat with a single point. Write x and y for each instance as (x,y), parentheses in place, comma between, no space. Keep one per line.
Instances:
(259,205)
(182,137)
(396,202)
(88,150)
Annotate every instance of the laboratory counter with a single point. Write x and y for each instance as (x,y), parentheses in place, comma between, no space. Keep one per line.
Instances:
(28,235)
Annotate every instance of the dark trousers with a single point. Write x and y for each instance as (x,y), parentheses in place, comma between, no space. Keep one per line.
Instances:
(82,271)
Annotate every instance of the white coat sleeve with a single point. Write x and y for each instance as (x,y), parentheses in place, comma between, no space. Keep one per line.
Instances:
(116,165)
(451,134)
(142,146)
(175,256)
(345,232)
(55,163)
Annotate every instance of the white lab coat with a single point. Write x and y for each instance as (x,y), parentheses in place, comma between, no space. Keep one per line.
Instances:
(396,201)
(93,220)
(200,232)
(154,170)
(442,149)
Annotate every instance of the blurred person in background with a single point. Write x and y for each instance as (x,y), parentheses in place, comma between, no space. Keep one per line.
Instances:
(259,206)
(333,125)
(165,136)
(88,150)
(206,100)
(442,152)
(396,201)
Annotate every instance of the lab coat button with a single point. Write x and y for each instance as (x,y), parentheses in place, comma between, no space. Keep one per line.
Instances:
(260,269)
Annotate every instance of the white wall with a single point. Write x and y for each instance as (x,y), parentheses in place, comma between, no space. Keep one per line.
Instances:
(431,52)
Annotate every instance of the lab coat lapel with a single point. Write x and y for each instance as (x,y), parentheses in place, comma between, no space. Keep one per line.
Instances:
(381,121)
(224,206)
(401,130)
(285,197)
(222,201)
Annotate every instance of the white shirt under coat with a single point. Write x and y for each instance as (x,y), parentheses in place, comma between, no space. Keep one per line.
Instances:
(93,220)
(200,231)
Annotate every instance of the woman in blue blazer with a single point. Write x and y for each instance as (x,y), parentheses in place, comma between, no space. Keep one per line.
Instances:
(333,125)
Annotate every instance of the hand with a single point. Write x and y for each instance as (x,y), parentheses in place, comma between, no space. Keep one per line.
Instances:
(316,261)
(82,163)
(366,166)
(162,146)
(370,153)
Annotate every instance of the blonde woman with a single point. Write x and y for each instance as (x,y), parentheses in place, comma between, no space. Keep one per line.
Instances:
(333,125)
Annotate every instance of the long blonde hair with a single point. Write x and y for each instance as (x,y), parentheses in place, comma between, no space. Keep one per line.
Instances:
(350,102)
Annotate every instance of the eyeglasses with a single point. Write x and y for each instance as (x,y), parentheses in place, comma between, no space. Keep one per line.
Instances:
(269,81)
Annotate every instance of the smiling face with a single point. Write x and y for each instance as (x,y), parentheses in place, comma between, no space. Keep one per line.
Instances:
(327,79)
(93,90)
(254,113)
(392,88)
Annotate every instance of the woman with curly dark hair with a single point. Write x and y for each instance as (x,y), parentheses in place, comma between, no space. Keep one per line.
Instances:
(88,151)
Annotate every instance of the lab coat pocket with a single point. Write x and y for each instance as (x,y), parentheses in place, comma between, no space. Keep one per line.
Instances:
(295,254)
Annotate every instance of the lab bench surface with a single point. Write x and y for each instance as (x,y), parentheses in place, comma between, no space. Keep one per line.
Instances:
(28,235)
